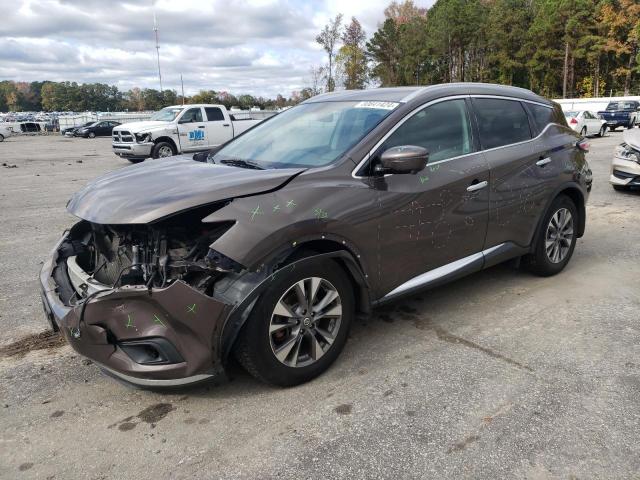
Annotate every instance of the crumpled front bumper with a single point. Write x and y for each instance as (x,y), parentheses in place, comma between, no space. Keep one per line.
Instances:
(624,172)
(121,320)
(132,149)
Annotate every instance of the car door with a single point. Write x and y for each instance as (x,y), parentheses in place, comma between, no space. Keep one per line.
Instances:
(192,130)
(437,216)
(101,129)
(592,123)
(520,170)
(219,129)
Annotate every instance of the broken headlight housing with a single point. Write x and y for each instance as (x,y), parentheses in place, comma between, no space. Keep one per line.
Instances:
(143,137)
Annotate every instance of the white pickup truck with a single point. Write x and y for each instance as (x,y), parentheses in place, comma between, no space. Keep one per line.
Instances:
(181,129)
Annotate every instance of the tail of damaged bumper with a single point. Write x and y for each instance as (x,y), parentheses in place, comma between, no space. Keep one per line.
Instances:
(120,328)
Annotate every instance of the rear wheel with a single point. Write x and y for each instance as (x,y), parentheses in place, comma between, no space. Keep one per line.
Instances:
(556,239)
(1,138)
(612,128)
(603,131)
(163,150)
(299,325)
(583,132)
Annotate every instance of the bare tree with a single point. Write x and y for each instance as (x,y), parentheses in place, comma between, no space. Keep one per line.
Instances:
(328,38)
(317,75)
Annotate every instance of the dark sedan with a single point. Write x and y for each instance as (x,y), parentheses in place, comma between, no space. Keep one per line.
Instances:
(96,129)
(71,130)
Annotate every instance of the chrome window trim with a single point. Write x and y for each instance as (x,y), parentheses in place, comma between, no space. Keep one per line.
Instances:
(444,99)
(440,272)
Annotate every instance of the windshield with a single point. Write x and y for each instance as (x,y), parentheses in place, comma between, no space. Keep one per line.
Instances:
(309,135)
(570,114)
(166,114)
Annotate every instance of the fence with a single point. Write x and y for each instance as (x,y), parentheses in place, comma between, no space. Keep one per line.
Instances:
(591,104)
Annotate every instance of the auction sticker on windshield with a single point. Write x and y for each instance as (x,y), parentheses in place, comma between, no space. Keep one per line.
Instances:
(377,105)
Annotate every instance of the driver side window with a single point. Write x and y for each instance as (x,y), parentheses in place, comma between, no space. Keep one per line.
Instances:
(443,129)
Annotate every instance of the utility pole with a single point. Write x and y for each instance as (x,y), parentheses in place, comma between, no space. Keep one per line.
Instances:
(182,83)
(155,30)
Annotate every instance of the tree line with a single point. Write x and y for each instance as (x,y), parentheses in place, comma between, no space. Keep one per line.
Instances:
(75,97)
(557,48)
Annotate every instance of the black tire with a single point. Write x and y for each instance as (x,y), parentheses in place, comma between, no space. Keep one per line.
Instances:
(603,131)
(160,147)
(92,135)
(253,348)
(583,132)
(1,138)
(620,188)
(539,262)
(612,129)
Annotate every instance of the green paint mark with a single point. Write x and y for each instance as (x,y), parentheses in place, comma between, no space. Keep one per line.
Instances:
(320,213)
(130,322)
(433,168)
(192,309)
(276,207)
(256,211)
(156,319)
(291,204)
(424,179)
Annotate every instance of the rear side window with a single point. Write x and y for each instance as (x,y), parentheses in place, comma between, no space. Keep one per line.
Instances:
(443,129)
(501,122)
(542,116)
(214,114)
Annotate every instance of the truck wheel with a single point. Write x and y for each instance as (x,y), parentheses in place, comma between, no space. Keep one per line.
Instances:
(612,128)
(299,325)
(556,239)
(162,150)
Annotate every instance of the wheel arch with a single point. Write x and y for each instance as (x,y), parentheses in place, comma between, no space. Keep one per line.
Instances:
(169,140)
(300,254)
(576,195)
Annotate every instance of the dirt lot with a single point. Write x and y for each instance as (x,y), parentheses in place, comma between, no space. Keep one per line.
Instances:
(500,375)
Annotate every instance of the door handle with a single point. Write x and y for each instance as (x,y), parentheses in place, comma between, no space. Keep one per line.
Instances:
(225,124)
(477,186)
(200,126)
(543,161)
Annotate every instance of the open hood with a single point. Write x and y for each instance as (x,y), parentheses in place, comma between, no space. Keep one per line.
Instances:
(155,189)
(632,138)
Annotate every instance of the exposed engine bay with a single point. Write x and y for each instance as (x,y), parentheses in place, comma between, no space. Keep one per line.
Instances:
(153,255)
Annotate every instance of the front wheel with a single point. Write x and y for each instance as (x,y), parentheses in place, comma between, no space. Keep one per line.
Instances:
(162,150)
(556,239)
(92,135)
(583,132)
(299,325)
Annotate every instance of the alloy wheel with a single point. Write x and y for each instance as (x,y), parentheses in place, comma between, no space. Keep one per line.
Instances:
(165,151)
(305,322)
(559,236)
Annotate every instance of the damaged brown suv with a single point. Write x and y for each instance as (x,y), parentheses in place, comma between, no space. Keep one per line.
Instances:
(268,247)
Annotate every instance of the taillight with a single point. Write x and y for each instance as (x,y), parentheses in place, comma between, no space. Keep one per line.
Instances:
(573,121)
(583,145)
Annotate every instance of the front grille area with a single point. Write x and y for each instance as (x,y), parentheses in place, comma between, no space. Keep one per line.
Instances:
(122,136)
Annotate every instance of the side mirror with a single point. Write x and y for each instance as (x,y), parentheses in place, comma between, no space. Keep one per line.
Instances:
(404,159)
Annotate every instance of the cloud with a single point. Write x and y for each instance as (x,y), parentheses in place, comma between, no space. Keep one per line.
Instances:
(262,47)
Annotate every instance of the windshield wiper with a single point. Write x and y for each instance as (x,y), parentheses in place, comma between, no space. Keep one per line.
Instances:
(236,162)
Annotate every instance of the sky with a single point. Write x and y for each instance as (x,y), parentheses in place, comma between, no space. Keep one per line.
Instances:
(260,47)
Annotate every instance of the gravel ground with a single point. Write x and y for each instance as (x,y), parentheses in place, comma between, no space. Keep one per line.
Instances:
(499,375)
